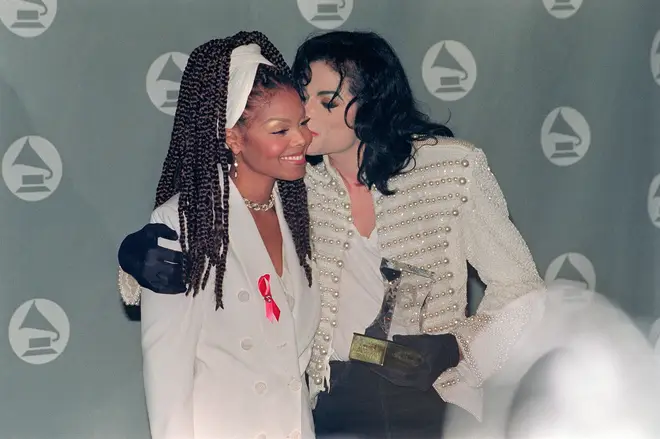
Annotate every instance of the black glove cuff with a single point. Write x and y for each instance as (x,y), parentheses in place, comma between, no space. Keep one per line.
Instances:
(126,255)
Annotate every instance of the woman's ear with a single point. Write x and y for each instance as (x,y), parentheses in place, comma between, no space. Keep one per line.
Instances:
(234,140)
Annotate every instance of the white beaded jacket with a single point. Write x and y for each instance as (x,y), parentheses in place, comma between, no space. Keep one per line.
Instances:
(447,209)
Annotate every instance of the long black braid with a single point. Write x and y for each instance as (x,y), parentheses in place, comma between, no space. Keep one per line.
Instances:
(197,147)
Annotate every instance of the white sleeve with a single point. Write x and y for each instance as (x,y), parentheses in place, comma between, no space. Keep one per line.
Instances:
(514,289)
(171,324)
(129,289)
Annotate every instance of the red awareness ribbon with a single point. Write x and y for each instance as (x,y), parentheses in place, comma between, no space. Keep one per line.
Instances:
(272,310)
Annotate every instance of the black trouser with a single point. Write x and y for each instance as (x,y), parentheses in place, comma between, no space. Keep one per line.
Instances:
(362,404)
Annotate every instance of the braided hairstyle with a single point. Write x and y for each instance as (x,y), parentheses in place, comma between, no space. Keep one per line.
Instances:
(196,149)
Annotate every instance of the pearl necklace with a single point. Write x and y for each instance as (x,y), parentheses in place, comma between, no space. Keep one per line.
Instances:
(259,206)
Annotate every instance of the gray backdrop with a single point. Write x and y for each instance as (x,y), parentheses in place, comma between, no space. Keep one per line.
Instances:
(563,95)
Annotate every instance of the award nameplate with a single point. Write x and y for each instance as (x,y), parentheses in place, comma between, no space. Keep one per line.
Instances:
(373,347)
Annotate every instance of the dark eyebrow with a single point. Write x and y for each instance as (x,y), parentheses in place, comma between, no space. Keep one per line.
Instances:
(328,92)
(278,119)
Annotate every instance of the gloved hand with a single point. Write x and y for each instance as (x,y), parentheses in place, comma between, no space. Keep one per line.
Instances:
(156,268)
(440,352)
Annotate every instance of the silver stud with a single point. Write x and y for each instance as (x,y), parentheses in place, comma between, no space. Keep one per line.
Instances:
(464,199)
(465,163)
(340,264)
(347,245)
(454,212)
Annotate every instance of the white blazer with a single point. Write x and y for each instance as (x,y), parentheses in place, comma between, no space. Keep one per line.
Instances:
(230,373)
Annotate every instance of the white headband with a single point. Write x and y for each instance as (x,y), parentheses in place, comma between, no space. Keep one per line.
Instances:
(242,70)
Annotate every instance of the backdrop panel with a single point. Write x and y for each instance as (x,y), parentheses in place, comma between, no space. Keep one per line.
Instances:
(563,95)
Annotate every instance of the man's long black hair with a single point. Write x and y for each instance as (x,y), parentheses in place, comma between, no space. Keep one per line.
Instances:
(387,121)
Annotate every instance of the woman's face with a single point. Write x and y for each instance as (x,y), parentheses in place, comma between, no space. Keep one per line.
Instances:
(275,138)
(326,111)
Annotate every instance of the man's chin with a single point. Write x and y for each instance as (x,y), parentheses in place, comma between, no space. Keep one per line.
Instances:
(313,152)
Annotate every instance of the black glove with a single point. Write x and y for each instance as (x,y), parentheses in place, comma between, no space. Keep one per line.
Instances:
(156,268)
(440,352)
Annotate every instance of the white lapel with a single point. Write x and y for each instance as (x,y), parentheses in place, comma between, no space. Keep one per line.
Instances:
(306,301)
(247,246)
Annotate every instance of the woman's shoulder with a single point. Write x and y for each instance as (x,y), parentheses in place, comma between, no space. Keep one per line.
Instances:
(168,212)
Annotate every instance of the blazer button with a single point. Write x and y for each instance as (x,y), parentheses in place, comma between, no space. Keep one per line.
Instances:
(260,388)
(246,344)
(243,296)
(295,385)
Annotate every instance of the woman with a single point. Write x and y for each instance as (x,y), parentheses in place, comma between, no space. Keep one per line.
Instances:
(394,185)
(234,372)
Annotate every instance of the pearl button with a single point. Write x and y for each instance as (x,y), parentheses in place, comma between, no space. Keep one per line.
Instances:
(246,344)
(260,388)
(243,296)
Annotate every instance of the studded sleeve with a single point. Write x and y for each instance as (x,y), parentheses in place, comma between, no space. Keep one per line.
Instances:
(171,326)
(498,252)
(129,289)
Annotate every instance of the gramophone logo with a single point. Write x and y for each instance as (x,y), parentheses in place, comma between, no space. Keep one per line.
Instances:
(27,18)
(655,58)
(449,70)
(326,14)
(653,202)
(572,269)
(562,8)
(565,136)
(39,331)
(32,168)
(164,80)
